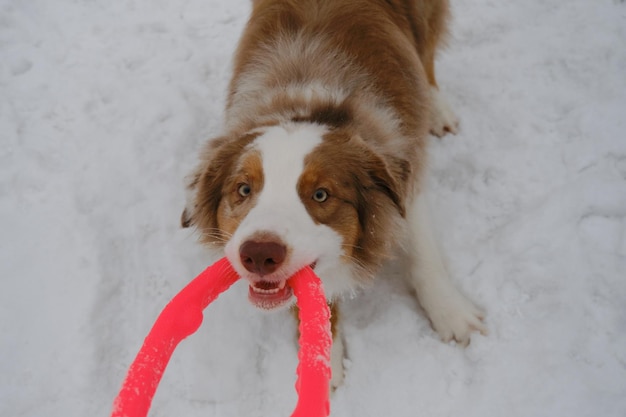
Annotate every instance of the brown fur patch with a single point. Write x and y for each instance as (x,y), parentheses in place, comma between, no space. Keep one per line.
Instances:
(216,187)
(363,198)
(234,207)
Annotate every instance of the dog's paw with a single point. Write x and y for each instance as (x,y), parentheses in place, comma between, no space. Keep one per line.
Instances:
(458,321)
(442,120)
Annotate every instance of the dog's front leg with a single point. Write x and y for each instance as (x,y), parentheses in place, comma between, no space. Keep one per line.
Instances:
(452,315)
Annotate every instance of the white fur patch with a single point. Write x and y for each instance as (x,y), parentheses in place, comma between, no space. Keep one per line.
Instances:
(280,211)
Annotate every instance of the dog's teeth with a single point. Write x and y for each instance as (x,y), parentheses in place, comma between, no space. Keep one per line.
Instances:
(274,288)
(264,291)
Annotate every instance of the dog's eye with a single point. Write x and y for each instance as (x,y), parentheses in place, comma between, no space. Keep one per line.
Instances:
(244,190)
(320,195)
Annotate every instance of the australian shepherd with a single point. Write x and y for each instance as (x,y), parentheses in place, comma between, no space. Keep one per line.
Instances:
(324,147)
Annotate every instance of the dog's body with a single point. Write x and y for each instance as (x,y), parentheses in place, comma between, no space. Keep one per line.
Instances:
(328,112)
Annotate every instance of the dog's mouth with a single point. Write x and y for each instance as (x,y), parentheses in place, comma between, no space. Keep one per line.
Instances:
(269,295)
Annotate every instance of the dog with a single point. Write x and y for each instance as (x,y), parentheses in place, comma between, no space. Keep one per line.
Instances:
(323,154)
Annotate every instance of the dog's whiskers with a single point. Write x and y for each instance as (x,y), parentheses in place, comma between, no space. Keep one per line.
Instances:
(216,236)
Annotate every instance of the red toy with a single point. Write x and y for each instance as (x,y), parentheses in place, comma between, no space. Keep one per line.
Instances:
(183,315)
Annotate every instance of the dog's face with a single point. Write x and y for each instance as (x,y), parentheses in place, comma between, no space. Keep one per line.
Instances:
(284,197)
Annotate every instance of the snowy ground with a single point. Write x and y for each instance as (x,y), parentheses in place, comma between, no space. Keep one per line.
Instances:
(102,106)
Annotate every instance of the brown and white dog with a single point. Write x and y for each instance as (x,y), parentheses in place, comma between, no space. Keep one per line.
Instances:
(328,113)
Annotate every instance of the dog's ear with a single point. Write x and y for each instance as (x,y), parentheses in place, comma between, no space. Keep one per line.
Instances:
(186,219)
(388,174)
(382,175)
(192,181)
(191,184)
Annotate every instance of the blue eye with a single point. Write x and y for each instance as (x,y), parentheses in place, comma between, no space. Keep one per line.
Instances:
(320,195)
(244,190)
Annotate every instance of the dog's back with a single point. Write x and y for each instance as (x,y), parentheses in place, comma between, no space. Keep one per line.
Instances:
(353,46)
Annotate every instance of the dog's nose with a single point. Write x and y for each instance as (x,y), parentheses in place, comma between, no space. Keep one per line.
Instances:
(262,257)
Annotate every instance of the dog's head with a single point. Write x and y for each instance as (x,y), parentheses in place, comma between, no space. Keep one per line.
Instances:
(284,197)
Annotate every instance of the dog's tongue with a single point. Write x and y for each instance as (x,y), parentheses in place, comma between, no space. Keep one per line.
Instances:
(268,295)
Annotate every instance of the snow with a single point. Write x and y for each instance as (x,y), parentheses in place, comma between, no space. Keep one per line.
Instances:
(102,108)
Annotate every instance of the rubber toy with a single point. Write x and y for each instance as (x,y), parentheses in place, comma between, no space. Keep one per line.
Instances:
(182,316)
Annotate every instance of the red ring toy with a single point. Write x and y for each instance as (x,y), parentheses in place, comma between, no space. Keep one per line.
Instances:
(182,316)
